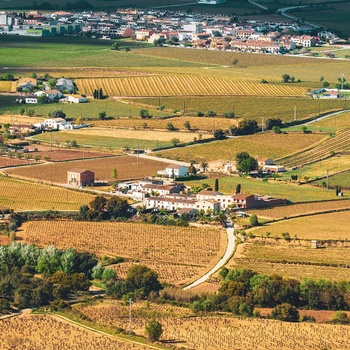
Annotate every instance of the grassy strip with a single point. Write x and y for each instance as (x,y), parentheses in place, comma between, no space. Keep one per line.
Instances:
(78,318)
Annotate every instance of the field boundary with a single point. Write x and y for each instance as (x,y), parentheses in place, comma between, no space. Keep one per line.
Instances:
(96,330)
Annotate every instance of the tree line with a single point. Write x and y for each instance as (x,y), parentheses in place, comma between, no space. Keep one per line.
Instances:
(63,273)
(242,290)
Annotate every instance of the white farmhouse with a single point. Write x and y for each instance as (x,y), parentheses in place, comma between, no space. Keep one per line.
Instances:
(74,99)
(211,2)
(51,95)
(57,123)
(175,170)
(31,99)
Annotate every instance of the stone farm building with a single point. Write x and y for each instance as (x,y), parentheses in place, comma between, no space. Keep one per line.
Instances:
(79,177)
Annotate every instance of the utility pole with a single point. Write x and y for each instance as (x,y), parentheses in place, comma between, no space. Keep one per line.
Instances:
(130,320)
(295,113)
(342,81)
(51,141)
(262,124)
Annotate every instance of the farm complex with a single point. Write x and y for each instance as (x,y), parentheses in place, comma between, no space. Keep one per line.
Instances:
(171,179)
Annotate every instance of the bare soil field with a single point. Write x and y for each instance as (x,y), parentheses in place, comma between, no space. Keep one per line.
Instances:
(43,332)
(55,154)
(128,167)
(320,316)
(9,162)
(196,123)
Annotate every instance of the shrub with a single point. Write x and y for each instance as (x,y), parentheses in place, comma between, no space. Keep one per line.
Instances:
(154,330)
(285,312)
(341,317)
(254,220)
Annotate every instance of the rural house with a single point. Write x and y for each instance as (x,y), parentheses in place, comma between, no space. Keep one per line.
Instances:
(79,177)
(31,99)
(174,170)
(27,83)
(52,95)
(65,85)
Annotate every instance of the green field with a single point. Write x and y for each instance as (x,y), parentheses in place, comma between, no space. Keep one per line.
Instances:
(293,193)
(74,52)
(247,106)
(89,110)
(319,169)
(333,16)
(104,141)
(339,179)
(259,145)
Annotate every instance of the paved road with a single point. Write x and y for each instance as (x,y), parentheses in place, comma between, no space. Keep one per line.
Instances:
(231,243)
(259,5)
(159,159)
(327,116)
(283,12)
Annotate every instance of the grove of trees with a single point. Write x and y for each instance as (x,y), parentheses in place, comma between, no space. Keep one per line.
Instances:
(242,289)
(101,208)
(62,273)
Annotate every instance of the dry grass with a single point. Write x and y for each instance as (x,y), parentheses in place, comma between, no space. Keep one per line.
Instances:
(5,86)
(338,121)
(128,167)
(43,332)
(332,226)
(23,195)
(179,245)
(130,134)
(207,124)
(297,271)
(296,254)
(213,332)
(19,119)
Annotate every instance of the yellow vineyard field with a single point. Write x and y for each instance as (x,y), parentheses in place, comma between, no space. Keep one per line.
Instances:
(180,245)
(213,333)
(331,226)
(24,195)
(182,85)
(293,210)
(49,332)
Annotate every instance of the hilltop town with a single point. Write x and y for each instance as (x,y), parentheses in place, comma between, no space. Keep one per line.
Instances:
(164,27)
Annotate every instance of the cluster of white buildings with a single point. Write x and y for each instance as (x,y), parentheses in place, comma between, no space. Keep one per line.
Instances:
(63,92)
(205,31)
(174,196)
